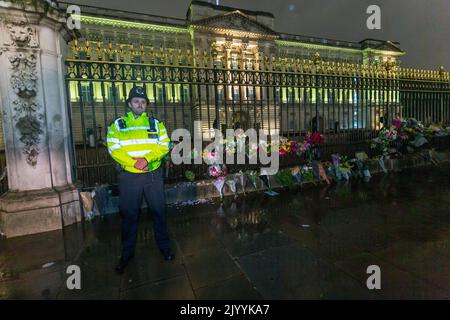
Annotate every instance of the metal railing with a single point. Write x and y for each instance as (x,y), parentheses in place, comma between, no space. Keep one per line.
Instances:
(348,103)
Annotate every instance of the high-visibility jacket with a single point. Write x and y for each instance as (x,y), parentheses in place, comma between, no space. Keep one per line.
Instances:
(141,137)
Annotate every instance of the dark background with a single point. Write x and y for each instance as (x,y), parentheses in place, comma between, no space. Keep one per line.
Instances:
(421,26)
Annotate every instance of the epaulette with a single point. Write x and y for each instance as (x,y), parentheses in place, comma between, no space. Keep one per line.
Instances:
(121,122)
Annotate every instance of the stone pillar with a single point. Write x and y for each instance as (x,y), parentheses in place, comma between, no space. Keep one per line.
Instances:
(41,195)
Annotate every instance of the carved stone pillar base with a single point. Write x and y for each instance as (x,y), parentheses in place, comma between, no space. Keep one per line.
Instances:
(29,212)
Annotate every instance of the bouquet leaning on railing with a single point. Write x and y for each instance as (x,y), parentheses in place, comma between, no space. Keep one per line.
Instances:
(216,170)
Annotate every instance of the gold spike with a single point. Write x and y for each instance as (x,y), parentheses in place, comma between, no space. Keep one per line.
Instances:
(88,50)
(441,73)
(188,57)
(179,57)
(142,52)
(99,51)
(109,51)
(75,49)
(170,56)
(205,59)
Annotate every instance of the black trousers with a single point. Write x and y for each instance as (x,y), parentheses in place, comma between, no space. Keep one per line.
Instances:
(132,187)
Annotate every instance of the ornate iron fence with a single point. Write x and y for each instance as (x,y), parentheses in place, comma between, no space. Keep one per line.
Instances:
(348,103)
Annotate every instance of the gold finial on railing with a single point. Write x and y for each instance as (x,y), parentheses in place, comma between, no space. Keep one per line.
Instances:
(443,75)
(346,67)
(195,57)
(99,51)
(142,52)
(179,57)
(131,52)
(316,57)
(441,72)
(162,55)
(205,59)
(188,57)
(437,75)
(389,65)
(337,68)
(75,49)
(327,67)
(316,61)
(110,51)
(364,70)
(121,55)
(87,50)
(151,54)
(311,66)
(170,56)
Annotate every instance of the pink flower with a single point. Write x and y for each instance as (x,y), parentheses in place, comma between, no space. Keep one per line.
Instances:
(397,123)
(294,146)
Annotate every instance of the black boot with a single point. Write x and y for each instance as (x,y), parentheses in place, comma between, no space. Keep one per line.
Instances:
(122,264)
(167,254)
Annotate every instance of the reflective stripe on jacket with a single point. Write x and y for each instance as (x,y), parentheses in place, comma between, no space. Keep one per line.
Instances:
(136,139)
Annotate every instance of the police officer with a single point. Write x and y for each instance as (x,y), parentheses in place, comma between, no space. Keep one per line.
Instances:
(138,143)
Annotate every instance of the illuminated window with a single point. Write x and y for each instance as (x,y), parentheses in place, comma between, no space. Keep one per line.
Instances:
(85,92)
(234,62)
(220,93)
(187,94)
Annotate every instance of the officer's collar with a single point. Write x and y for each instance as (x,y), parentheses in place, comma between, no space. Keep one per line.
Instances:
(131,115)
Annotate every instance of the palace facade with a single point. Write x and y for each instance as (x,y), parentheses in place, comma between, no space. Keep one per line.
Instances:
(214,36)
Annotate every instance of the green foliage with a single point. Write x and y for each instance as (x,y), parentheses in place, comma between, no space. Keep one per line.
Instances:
(308,176)
(189,175)
(284,177)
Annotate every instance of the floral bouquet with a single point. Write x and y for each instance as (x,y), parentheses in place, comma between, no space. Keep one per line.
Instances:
(231,183)
(436,130)
(382,144)
(345,167)
(303,147)
(287,147)
(381,164)
(323,174)
(241,178)
(265,179)
(252,176)
(296,174)
(219,172)
(307,174)
(361,164)
(335,167)
(401,137)
(314,140)
(285,178)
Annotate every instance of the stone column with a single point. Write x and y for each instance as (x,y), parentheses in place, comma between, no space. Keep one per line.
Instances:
(41,195)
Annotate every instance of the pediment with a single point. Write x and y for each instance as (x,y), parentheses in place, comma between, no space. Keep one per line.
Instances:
(388,46)
(235,20)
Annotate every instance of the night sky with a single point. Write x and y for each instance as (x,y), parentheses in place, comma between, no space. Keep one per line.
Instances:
(421,26)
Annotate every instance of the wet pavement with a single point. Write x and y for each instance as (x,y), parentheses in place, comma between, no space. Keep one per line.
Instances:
(312,243)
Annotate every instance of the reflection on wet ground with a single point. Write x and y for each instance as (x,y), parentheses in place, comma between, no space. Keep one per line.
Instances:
(314,243)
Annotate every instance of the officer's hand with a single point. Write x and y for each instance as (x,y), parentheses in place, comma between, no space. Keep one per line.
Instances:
(141,164)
